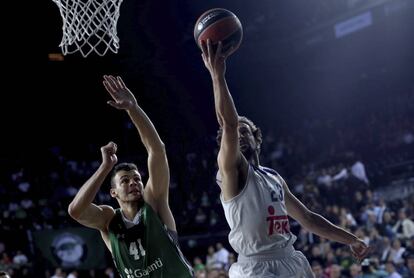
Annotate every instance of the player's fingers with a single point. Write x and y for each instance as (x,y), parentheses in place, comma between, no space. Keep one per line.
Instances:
(228,52)
(113,82)
(113,147)
(354,254)
(366,252)
(108,87)
(204,47)
(205,60)
(209,48)
(107,147)
(219,54)
(121,82)
(114,104)
(106,77)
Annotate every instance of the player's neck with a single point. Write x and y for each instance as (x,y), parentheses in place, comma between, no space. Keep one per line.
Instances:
(254,160)
(130,209)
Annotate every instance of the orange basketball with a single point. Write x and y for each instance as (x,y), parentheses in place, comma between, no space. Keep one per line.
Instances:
(219,25)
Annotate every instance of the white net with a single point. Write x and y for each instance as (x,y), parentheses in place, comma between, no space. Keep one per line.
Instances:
(89,25)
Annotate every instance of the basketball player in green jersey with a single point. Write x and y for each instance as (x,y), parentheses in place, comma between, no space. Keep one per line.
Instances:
(141,234)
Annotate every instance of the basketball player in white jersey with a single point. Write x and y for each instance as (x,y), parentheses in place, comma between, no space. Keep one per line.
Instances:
(256,200)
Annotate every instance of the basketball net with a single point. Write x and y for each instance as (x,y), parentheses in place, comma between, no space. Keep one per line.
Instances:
(89,25)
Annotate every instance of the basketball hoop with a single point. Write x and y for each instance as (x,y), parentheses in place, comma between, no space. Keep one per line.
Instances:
(89,25)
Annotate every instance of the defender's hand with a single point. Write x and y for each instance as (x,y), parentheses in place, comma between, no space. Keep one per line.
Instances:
(109,157)
(122,96)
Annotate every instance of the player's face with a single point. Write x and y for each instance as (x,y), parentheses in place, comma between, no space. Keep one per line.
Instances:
(129,186)
(246,140)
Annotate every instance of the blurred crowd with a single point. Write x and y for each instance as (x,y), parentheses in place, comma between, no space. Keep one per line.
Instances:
(357,171)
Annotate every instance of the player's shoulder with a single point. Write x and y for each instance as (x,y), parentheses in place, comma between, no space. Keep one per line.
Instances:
(108,212)
(107,208)
(113,217)
(269,170)
(273,172)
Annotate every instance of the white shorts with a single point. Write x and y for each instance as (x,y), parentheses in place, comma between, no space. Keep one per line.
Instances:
(288,263)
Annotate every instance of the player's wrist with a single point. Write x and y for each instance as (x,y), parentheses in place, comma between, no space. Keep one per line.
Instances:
(353,239)
(106,166)
(216,76)
(133,108)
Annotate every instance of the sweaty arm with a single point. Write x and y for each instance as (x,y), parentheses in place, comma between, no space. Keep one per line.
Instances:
(156,189)
(232,164)
(159,173)
(316,223)
(81,208)
(322,227)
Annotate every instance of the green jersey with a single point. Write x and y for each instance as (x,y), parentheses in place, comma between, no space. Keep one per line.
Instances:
(146,249)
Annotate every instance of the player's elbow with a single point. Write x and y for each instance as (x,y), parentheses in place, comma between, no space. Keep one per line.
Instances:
(74,212)
(158,151)
(161,147)
(157,148)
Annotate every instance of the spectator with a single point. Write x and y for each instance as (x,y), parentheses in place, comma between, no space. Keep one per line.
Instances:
(58,273)
(211,259)
(73,274)
(335,271)
(20,258)
(404,228)
(232,260)
(396,252)
(222,255)
(198,264)
(200,273)
(109,272)
(355,271)
(392,273)
(318,270)
(410,266)
(358,170)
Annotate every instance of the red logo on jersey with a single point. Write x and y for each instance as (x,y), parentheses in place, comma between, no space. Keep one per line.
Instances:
(277,223)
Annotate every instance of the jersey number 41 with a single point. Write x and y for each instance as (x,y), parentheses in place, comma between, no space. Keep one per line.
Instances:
(136,249)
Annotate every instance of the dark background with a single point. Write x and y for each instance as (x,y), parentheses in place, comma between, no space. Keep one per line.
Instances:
(290,67)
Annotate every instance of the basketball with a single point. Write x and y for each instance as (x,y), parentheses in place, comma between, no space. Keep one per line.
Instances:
(219,25)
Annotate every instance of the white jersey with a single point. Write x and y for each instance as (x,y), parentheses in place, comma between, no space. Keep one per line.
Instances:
(257,216)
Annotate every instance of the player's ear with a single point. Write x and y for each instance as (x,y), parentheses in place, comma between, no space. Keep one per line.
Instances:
(113,193)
